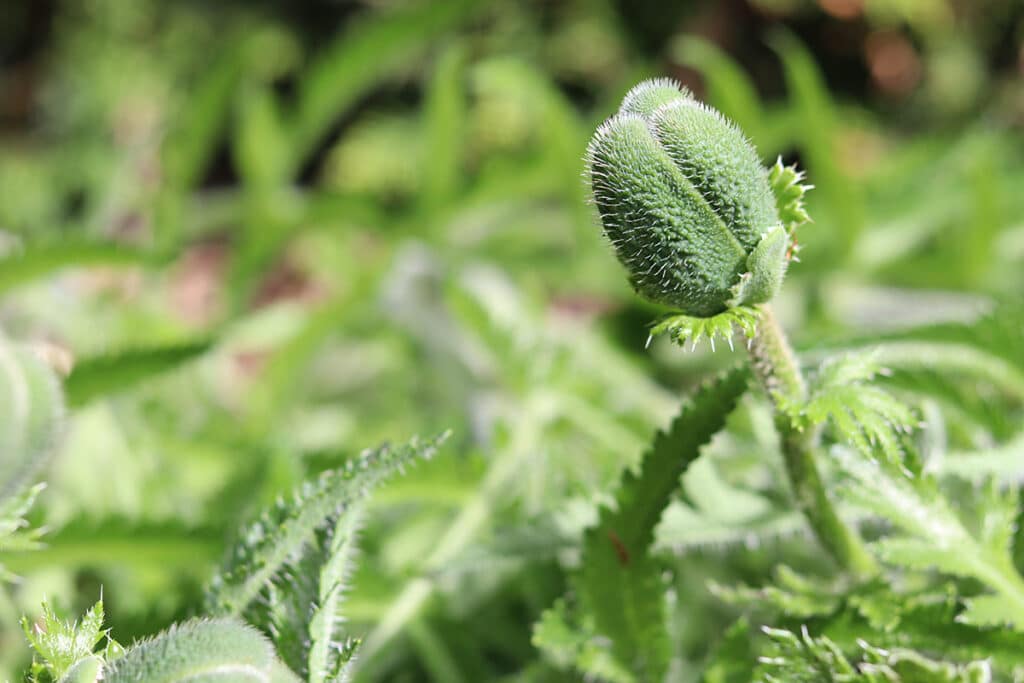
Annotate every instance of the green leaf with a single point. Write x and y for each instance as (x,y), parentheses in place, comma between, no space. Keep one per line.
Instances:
(59,645)
(685,328)
(301,607)
(988,611)
(733,659)
(360,58)
(121,544)
(864,414)
(330,651)
(193,135)
(794,658)
(14,532)
(31,416)
(936,536)
(956,359)
(99,376)
(791,595)
(295,555)
(444,128)
(620,581)
(570,643)
(40,260)
(789,189)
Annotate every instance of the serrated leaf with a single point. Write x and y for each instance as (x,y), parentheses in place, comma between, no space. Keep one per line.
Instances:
(59,645)
(791,594)
(285,575)
(31,416)
(988,611)
(789,189)
(99,376)
(329,650)
(554,636)
(683,329)
(864,414)
(620,582)
(794,658)
(733,659)
(917,554)
(928,622)
(569,643)
(14,532)
(935,535)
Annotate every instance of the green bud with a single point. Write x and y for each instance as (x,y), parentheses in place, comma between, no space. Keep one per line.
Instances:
(87,670)
(686,203)
(199,651)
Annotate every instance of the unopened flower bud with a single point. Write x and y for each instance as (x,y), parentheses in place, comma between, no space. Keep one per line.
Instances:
(686,203)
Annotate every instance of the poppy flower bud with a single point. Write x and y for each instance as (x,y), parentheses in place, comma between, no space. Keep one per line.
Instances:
(686,203)
(200,650)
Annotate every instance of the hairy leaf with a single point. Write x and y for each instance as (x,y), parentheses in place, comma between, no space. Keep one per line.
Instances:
(936,536)
(31,416)
(570,642)
(864,414)
(330,650)
(286,574)
(620,581)
(60,645)
(98,376)
(684,328)
(14,532)
(789,189)
(802,658)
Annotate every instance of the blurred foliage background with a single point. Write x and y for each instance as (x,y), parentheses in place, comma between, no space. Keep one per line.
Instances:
(269,234)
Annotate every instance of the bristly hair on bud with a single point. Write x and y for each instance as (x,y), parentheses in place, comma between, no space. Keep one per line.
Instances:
(686,203)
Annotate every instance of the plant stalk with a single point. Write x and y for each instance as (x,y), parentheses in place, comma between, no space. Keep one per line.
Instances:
(775,366)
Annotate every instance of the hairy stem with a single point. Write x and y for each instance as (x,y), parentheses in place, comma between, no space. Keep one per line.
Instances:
(775,366)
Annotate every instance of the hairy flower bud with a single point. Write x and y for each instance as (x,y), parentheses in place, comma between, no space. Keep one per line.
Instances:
(686,203)
(222,650)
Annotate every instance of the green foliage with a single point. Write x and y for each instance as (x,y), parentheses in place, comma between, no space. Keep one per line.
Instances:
(863,414)
(684,328)
(575,644)
(936,537)
(270,545)
(39,260)
(100,376)
(801,658)
(366,222)
(15,533)
(64,651)
(620,584)
(789,190)
(288,572)
(287,576)
(31,416)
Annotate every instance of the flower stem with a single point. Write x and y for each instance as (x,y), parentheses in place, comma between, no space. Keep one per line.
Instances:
(775,366)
